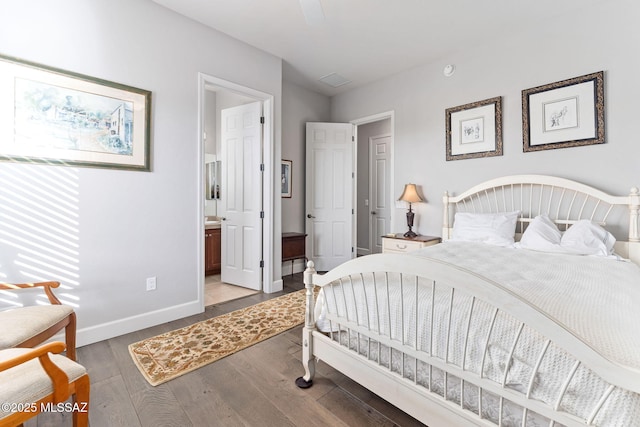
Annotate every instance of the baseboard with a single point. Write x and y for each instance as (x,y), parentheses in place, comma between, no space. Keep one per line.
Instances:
(276,286)
(105,331)
(363,251)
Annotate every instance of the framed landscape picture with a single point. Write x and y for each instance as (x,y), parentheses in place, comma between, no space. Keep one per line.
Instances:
(59,117)
(569,113)
(474,130)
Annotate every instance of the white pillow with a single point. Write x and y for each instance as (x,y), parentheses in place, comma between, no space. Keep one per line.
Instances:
(586,237)
(541,235)
(493,228)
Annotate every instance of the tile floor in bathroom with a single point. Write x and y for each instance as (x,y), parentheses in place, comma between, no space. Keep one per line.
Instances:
(216,292)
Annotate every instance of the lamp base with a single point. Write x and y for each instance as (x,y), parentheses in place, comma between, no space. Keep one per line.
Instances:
(410,234)
(410,216)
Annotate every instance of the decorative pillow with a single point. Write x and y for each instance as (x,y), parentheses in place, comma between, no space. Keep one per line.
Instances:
(586,237)
(541,235)
(493,228)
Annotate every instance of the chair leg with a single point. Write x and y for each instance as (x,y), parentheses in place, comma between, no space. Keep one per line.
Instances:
(70,337)
(81,398)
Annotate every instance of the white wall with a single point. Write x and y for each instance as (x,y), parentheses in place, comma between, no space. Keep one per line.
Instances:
(299,106)
(104,231)
(601,38)
(210,123)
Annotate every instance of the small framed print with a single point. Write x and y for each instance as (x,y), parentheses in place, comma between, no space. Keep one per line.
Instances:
(569,113)
(474,130)
(286,178)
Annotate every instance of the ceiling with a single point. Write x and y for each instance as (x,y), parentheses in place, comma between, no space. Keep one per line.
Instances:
(366,40)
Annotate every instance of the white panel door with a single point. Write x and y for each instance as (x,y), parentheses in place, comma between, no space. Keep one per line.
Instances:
(329,194)
(379,190)
(241,138)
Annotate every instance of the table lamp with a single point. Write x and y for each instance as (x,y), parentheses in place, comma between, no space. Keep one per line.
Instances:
(410,195)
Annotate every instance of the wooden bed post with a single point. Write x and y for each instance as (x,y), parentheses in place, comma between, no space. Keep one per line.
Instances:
(634,214)
(445,218)
(309,326)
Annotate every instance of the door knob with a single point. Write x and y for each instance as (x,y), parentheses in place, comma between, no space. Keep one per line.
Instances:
(373,212)
(223,218)
(310,216)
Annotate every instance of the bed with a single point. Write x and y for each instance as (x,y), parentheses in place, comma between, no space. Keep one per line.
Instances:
(469,332)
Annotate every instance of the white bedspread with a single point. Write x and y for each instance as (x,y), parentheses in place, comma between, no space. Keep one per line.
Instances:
(598,299)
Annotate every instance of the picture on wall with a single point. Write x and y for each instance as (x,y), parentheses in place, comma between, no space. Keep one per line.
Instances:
(568,113)
(58,117)
(286,178)
(474,130)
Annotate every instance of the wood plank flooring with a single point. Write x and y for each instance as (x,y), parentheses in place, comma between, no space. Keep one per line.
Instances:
(254,387)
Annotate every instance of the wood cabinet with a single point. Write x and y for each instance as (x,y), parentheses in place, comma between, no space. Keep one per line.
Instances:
(400,244)
(212,251)
(293,247)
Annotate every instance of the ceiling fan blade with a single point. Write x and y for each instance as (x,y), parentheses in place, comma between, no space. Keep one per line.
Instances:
(312,11)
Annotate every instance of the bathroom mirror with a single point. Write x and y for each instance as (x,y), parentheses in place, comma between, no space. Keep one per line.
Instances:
(212,186)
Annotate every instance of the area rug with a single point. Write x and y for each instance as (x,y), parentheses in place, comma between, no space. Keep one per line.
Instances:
(167,356)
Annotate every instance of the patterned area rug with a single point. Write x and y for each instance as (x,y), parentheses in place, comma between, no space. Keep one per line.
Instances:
(167,356)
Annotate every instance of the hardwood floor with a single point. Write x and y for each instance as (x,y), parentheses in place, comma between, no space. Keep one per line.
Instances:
(254,387)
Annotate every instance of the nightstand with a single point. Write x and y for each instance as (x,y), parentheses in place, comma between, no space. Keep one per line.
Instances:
(400,244)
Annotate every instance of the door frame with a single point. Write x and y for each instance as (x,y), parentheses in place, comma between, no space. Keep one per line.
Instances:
(268,194)
(363,121)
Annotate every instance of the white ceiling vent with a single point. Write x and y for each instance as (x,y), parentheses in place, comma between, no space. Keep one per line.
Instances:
(334,80)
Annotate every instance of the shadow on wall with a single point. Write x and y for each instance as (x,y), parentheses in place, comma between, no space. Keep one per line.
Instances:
(39,231)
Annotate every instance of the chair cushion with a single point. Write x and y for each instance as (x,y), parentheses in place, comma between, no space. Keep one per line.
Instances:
(28,382)
(20,324)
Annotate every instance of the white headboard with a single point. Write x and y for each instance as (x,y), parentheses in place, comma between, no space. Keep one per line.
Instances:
(564,200)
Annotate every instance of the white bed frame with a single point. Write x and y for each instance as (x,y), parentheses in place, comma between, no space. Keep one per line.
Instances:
(565,202)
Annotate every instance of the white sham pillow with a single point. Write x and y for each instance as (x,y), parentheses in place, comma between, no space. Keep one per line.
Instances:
(492,228)
(586,237)
(541,234)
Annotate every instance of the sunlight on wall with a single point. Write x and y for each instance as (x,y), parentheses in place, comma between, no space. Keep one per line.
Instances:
(39,231)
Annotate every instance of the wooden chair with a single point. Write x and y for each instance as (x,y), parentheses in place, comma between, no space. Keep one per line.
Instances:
(34,381)
(32,325)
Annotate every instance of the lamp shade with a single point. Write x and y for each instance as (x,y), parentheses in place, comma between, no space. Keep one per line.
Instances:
(410,194)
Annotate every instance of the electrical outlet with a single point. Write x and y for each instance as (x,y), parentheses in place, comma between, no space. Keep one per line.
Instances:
(151,283)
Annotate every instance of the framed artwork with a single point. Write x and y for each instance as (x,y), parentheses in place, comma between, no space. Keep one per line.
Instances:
(286,178)
(59,117)
(474,130)
(569,113)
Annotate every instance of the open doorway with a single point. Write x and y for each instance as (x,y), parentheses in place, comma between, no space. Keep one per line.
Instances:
(346,217)
(218,170)
(374,181)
